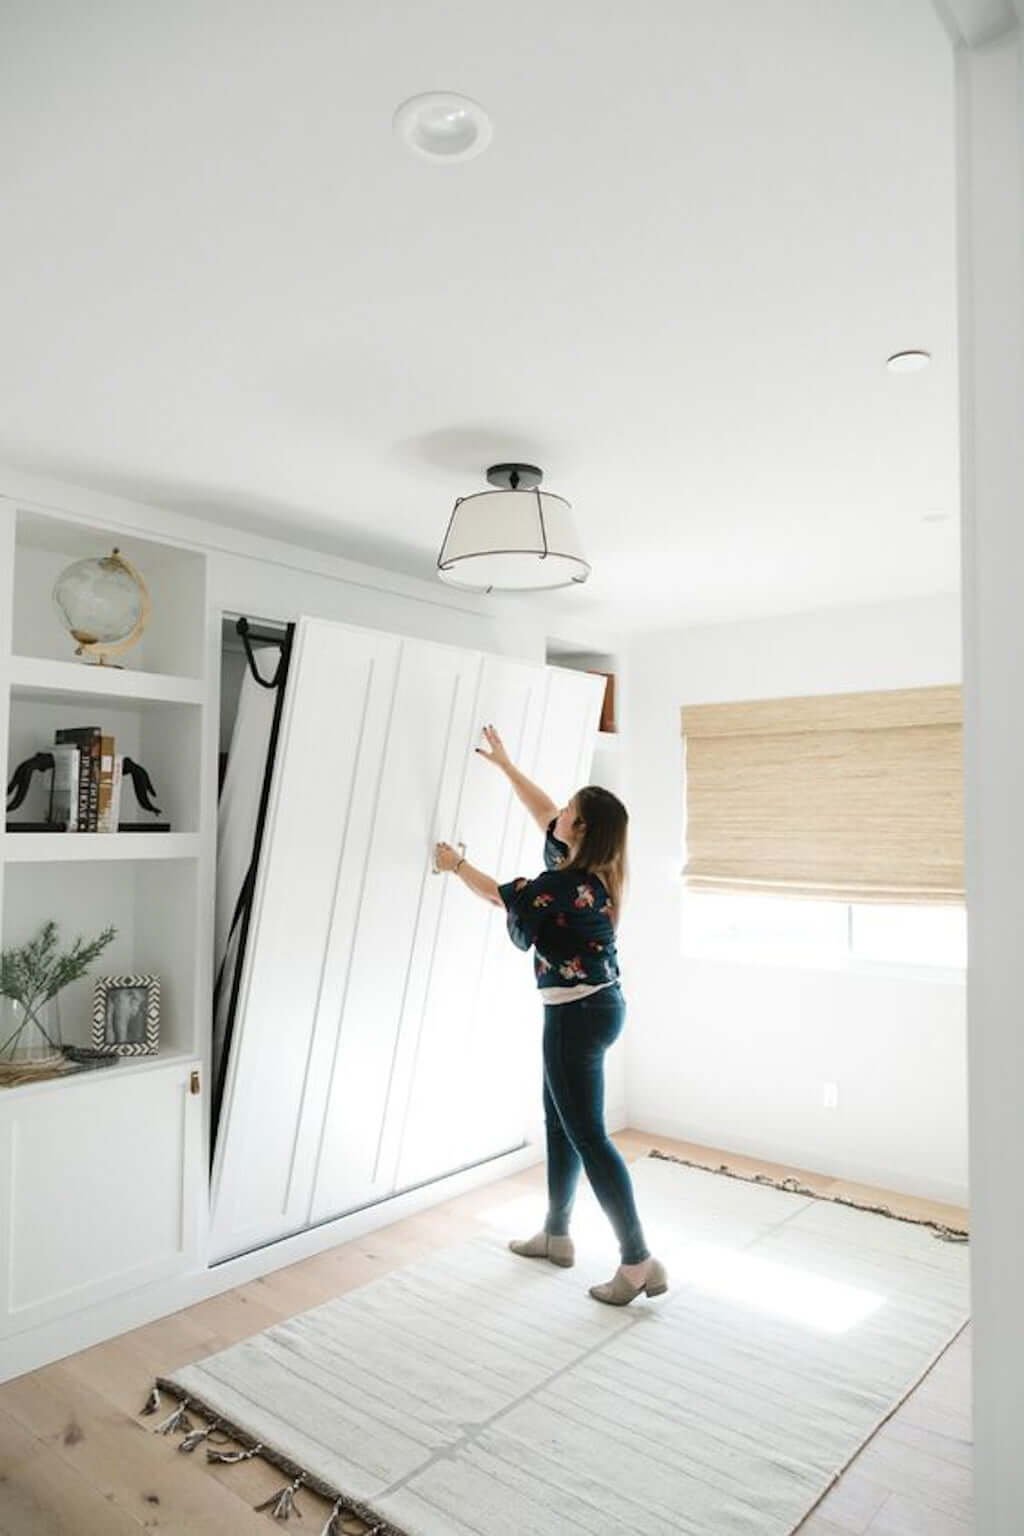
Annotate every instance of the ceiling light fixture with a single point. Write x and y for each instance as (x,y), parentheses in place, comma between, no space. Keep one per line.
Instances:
(440,125)
(908,362)
(515,537)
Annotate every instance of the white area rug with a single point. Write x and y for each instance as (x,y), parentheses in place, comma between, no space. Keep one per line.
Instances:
(477,1394)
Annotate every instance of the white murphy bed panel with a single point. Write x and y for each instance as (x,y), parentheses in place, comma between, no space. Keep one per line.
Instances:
(386,1032)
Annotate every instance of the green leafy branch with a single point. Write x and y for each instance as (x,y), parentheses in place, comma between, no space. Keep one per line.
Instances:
(36,971)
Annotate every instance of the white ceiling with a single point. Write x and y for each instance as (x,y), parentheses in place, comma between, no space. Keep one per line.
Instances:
(672,280)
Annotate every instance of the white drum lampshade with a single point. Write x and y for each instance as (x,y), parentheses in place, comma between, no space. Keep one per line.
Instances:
(518,539)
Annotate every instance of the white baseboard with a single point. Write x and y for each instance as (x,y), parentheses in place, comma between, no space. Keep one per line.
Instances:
(810,1159)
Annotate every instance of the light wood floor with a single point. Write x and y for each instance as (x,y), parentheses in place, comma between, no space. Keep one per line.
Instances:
(76,1459)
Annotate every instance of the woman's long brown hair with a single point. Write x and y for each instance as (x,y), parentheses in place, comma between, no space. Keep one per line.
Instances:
(602,847)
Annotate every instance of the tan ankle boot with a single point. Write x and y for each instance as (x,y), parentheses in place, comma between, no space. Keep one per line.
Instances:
(557,1250)
(619,1292)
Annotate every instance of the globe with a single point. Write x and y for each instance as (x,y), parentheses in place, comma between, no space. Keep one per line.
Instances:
(103,603)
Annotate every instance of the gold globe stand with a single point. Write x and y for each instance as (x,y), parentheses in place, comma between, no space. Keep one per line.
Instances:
(100,651)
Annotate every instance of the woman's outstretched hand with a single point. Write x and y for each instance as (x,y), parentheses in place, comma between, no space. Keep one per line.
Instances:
(446,857)
(497,755)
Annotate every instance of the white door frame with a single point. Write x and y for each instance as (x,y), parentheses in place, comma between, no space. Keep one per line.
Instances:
(987,40)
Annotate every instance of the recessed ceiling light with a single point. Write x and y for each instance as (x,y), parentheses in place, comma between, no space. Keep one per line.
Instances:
(908,362)
(442,126)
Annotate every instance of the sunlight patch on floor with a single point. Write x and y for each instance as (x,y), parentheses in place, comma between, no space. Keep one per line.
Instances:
(816,1302)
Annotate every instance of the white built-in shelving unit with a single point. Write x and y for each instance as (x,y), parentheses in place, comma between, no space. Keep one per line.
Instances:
(145,883)
(74,1238)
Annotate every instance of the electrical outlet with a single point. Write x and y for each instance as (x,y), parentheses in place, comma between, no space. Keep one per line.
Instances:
(830,1096)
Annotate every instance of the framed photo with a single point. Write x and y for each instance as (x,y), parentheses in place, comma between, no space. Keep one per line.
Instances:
(126,1015)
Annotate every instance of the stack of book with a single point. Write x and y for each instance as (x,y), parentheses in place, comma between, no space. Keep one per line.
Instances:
(86,792)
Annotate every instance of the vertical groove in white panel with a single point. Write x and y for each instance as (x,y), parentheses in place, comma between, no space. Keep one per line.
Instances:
(435,821)
(353,782)
(506,823)
(12,1199)
(355,935)
(468,754)
(187,1172)
(6,1212)
(437,926)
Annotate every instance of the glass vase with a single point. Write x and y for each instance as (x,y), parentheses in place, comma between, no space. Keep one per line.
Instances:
(30,1036)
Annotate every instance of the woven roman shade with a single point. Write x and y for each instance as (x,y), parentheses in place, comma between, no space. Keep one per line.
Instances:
(855,796)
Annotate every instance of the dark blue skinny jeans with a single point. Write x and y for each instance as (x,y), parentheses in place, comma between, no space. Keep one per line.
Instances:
(576,1037)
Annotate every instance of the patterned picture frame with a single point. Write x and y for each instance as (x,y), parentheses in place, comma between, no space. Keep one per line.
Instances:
(120,1010)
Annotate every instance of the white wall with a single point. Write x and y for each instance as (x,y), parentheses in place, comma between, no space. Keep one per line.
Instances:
(735,1056)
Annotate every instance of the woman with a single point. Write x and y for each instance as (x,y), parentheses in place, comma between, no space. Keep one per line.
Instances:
(569,915)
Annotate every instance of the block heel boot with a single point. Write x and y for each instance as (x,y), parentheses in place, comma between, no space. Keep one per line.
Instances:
(557,1250)
(619,1292)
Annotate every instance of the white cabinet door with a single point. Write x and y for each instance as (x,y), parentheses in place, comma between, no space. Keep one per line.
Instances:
(98,1187)
(465,1099)
(325,795)
(424,762)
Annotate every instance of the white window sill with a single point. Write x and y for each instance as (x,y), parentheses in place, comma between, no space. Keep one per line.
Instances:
(939,975)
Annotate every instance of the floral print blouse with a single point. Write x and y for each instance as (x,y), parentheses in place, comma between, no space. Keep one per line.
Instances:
(565,916)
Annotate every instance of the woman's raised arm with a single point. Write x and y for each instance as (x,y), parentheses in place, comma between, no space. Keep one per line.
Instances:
(540,806)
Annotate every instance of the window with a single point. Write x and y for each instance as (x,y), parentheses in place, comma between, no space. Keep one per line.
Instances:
(850,798)
(831,935)
(909,935)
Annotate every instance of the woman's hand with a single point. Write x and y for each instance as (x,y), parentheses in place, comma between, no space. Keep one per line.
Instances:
(446,857)
(497,755)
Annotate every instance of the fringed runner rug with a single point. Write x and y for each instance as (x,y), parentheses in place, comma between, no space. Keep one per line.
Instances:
(478,1394)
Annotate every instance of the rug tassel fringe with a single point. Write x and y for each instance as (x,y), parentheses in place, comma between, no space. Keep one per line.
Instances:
(231,1458)
(179,1419)
(333,1526)
(283,1502)
(220,1433)
(794,1187)
(197,1436)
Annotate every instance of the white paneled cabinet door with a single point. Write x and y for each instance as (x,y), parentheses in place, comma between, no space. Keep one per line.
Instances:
(466,1095)
(98,1184)
(392,947)
(325,799)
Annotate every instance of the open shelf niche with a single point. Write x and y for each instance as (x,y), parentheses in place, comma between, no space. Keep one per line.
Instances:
(151,903)
(149,884)
(173,643)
